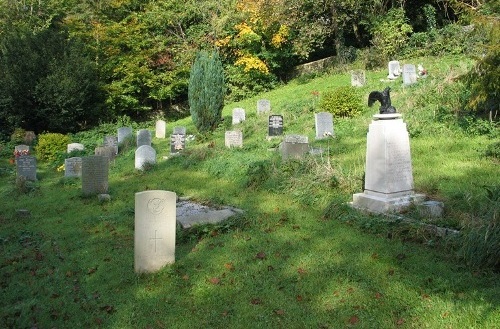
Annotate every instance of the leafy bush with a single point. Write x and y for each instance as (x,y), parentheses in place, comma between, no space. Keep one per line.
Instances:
(51,145)
(390,33)
(342,102)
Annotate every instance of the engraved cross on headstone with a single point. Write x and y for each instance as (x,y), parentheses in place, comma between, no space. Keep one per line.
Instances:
(155,239)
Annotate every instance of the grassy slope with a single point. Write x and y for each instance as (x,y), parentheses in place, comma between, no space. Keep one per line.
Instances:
(281,265)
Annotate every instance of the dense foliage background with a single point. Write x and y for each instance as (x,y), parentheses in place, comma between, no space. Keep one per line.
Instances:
(66,65)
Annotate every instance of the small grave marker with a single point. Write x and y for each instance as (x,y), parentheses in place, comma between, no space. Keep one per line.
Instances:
(143,155)
(409,74)
(106,151)
(95,171)
(238,115)
(294,147)
(275,127)
(358,78)
(263,106)
(123,133)
(73,167)
(111,141)
(75,147)
(177,143)
(26,167)
(394,70)
(161,128)
(324,124)
(179,130)
(143,137)
(234,138)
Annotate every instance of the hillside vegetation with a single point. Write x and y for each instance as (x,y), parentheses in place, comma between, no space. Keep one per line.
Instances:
(299,257)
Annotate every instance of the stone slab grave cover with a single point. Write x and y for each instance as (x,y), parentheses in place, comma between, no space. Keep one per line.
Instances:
(233,138)
(275,126)
(124,133)
(177,143)
(409,74)
(106,151)
(111,141)
(294,147)
(263,106)
(394,70)
(154,230)
(143,155)
(238,115)
(192,213)
(358,78)
(161,129)
(95,172)
(73,167)
(75,147)
(180,130)
(143,137)
(324,124)
(389,178)
(26,167)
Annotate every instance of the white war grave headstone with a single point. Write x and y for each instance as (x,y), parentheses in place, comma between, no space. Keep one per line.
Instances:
(26,167)
(161,129)
(234,138)
(394,70)
(154,230)
(358,78)
(388,178)
(294,147)
(75,147)
(238,115)
(73,167)
(95,172)
(144,154)
(409,74)
(143,137)
(123,133)
(324,125)
(263,106)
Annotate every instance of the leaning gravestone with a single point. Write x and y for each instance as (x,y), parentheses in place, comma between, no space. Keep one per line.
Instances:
(161,128)
(75,147)
(238,115)
(263,106)
(143,137)
(143,155)
(111,141)
(324,124)
(154,230)
(394,70)
(26,167)
(294,147)
(358,78)
(106,151)
(95,171)
(123,133)
(409,74)
(179,130)
(389,178)
(234,138)
(177,143)
(73,167)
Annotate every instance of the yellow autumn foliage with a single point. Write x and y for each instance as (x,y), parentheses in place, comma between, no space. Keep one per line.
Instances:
(249,62)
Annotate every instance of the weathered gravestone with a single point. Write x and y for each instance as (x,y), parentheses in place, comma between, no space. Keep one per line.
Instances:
(358,78)
(143,137)
(106,151)
(263,106)
(179,130)
(111,141)
(234,138)
(161,129)
(275,126)
(73,167)
(75,147)
(388,178)
(238,115)
(29,137)
(124,133)
(144,155)
(394,70)
(177,143)
(154,230)
(324,125)
(26,167)
(95,172)
(409,74)
(294,147)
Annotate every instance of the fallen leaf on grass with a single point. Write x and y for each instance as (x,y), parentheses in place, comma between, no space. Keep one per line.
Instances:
(256,301)
(279,312)
(214,280)
(301,271)
(400,321)
(185,277)
(92,270)
(261,255)
(299,298)
(108,309)
(353,320)
(229,266)
(378,295)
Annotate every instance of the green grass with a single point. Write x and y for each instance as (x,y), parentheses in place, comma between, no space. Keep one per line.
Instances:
(298,257)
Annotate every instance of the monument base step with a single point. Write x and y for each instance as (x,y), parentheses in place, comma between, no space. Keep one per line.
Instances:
(381,205)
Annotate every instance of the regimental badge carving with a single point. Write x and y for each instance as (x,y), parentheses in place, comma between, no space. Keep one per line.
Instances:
(156,205)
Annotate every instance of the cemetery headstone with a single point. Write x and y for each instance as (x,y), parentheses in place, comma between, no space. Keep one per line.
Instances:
(275,126)
(177,143)
(154,230)
(26,167)
(358,78)
(143,137)
(179,130)
(263,106)
(73,167)
(409,74)
(111,141)
(123,133)
(75,147)
(238,115)
(161,128)
(394,70)
(106,151)
(29,137)
(234,138)
(20,150)
(143,155)
(294,147)
(95,172)
(324,124)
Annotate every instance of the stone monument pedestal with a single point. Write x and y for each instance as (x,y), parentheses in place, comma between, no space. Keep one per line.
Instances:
(389,177)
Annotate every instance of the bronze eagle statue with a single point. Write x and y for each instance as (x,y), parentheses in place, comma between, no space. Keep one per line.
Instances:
(385,100)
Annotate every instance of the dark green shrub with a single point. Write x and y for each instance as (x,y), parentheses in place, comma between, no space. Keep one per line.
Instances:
(342,102)
(206,91)
(51,145)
